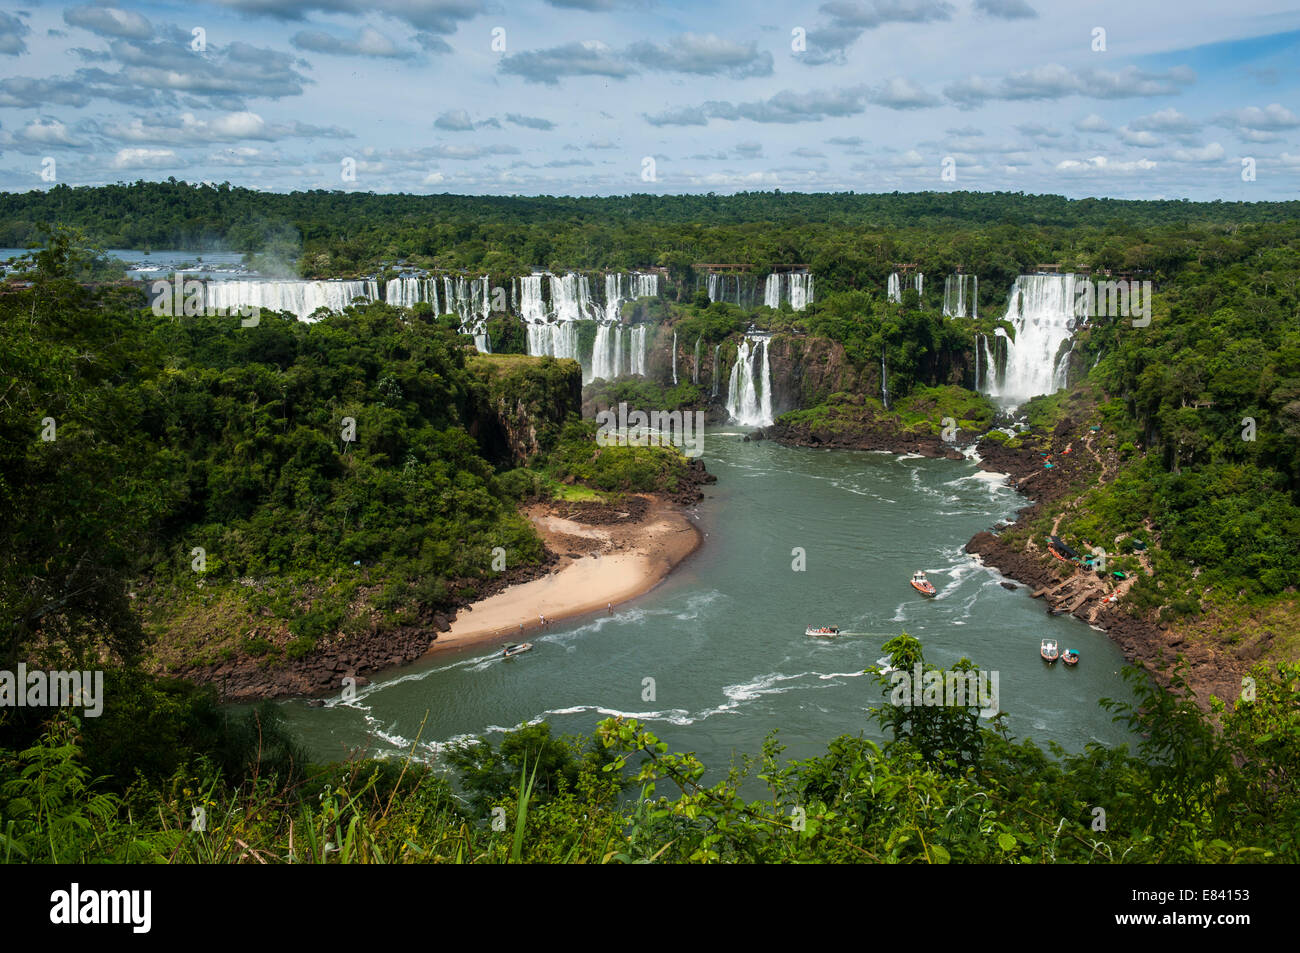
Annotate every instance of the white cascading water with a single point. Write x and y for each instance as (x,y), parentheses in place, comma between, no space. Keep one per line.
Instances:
(894,291)
(1041,310)
(674,358)
(695,374)
(716,349)
(407,292)
(571,297)
(801,291)
(772,291)
(638,350)
(961,296)
(300,298)
(792,286)
(749,395)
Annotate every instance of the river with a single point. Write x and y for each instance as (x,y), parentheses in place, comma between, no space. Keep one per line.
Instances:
(723,637)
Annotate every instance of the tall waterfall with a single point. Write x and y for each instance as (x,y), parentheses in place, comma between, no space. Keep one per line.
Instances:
(559,339)
(695,374)
(749,394)
(674,357)
(301,298)
(801,291)
(571,297)
(895,289)
(620,287)
(716,349)
(1041,310)
(794,287)
(406,292)
(884,380)
(636,357)
(741,290)
(772,291)
(532,308)
(961,296)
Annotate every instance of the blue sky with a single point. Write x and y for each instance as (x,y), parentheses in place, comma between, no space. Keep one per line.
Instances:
(600,97)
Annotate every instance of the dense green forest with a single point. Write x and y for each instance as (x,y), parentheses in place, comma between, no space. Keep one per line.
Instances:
(944,787)
(278,484)
(172,478)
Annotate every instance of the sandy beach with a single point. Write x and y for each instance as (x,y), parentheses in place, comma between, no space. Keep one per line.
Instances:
(605,558)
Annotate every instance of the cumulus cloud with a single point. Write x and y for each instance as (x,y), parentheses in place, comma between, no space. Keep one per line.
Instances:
(703,56)
(700,55)
(1055,81)
(529,122)
(189,128)
(789,106)
(1006,9)
(1259,125)
(589,58)
(109,21)
(367,42)
(12,31)
(1100,165)
(1208,153)
(455,121)
(432,16)
(139,158)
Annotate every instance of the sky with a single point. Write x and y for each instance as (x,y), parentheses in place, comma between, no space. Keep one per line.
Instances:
(1129,99)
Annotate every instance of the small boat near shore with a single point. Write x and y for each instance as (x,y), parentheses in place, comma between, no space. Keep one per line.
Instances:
(823,631)
(921,584)
(517,649)
(1049,650)
(1070,657)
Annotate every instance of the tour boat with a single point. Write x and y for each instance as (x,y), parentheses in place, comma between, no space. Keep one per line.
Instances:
(921,584)
(1070,657)
(826,631)
(518,649)
(1049,651)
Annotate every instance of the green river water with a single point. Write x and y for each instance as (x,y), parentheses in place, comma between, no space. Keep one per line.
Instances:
(723,636)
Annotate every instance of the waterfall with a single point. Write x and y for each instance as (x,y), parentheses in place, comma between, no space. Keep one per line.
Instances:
(749,398)
(772,291)
(1041,310)
(571,297)
(884,379)
(618,350)
(961,296)
(801,291)
(301,298)
(1061,376)
(716,349)
(674,357)
(895,291)
(638,346)
(920,283)
(739,290)
(601,358)
(620,287)
(695,375)
(406,292)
